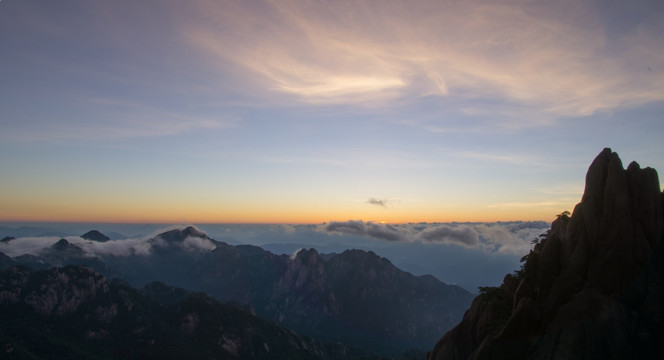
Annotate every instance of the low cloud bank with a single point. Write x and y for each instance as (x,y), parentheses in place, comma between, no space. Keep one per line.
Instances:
(502,237)
(510,238)
(142,246)
(28,245)
(462,235)
(358,227)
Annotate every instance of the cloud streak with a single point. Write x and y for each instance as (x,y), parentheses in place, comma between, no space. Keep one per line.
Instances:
(381,202)
(377,202)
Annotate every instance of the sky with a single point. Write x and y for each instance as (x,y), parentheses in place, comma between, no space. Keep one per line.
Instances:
(319,111)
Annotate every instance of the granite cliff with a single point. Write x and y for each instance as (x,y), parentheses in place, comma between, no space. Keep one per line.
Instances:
(591,288)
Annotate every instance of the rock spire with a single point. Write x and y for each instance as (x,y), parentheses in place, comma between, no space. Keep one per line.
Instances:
(592,287)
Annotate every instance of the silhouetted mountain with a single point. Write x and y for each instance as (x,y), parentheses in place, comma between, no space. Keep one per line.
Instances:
(180,235)
(592,287)
(355,297)
(75,313)
(95,235)
(65,253)
(7,239)
(65,246)
(171,257)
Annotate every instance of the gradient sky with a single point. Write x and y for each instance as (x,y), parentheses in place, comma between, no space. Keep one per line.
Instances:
(312,111)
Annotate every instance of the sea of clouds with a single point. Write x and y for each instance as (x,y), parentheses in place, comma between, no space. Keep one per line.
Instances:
(468,254)
(502,237)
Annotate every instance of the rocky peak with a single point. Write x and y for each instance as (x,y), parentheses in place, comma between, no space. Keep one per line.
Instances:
(306,257)
(95,235)
(616,227)
(61,244)
(594,283)
(7,239)
(305,270)
(64,245)
(179,235)
(62,252)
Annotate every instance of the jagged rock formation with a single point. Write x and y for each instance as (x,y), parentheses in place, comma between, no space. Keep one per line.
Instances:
(358,295)
(63,245)
(355,297)
(592,288)
(180,235)
(75,313)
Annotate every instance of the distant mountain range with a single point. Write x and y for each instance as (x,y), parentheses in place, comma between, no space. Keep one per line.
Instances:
(592,287)
(464,254)
(355,298)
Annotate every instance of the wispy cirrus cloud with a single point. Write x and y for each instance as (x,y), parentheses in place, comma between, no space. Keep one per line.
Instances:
(116,119)
(553,58)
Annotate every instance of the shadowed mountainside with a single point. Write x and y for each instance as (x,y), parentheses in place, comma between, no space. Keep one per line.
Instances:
(355,297)
(75,313)
(592,288)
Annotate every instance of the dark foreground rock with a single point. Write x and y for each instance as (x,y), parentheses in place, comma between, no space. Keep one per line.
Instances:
(592,288)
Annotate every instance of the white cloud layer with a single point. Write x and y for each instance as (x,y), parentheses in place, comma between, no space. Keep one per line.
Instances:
(503,237)
(141,246)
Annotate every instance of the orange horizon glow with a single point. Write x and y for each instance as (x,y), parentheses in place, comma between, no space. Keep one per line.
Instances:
(277,219)
(185,210)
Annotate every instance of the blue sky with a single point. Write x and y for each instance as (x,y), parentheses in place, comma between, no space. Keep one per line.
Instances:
(305,111)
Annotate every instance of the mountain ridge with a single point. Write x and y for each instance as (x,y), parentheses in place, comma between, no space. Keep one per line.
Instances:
(330,297)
